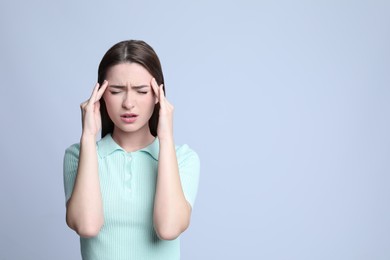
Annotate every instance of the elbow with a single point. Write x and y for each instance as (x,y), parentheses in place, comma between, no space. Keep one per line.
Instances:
(85,229)
(88,231)
(170,232)
(169,227)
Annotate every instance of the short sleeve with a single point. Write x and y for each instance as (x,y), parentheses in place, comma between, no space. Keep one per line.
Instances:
(71,162)
(189,170)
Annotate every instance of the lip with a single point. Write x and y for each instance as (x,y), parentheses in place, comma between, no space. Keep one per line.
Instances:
(129,117)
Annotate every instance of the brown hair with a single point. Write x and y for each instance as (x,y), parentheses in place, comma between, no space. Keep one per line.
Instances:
(130,51)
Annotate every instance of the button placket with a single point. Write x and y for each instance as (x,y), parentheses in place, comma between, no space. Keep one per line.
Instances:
(128,173)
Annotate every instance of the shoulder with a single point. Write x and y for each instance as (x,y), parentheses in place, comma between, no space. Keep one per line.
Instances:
(184,153)
(71,158)
(72,153)
(73,149)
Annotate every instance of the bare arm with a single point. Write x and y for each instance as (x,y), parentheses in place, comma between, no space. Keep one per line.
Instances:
(172,212)
(84,211)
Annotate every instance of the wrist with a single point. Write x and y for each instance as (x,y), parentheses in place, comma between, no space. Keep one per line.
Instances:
(87,138)
(166,142)
(165,135)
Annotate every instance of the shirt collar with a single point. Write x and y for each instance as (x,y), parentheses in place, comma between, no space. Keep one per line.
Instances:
(107,145)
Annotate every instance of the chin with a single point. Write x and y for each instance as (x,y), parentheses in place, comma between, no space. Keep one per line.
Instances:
(131,128)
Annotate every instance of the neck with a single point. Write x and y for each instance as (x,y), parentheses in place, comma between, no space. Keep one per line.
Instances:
(133,141)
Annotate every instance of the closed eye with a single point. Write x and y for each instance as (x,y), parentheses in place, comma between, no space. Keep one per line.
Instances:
(114,93)
(142,92)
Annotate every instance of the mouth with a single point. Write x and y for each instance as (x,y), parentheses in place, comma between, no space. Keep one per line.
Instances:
(129,115)
(129,118)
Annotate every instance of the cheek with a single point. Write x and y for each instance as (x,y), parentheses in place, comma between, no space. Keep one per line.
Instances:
(152,102)
(149,100)
(148,105)
(109,102)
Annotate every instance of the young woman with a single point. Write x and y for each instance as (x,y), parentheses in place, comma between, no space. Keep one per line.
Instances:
(130,194)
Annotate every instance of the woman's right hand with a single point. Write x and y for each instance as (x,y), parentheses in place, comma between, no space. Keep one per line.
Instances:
(90,111)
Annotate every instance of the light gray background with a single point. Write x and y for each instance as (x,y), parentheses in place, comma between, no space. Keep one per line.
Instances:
(286,102)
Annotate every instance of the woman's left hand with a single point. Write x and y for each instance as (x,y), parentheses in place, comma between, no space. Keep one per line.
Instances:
(165,121)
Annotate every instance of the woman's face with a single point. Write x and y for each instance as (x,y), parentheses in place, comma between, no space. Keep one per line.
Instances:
(129,98)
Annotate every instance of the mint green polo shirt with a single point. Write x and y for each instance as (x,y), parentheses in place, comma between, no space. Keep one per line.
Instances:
(128,184)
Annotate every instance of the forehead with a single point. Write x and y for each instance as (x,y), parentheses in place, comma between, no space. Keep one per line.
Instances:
(128,73)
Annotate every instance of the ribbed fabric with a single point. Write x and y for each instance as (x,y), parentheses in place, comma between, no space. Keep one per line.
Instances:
(128,183)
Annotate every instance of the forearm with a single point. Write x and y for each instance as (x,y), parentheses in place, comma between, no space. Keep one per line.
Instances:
(84,209)
(171,209)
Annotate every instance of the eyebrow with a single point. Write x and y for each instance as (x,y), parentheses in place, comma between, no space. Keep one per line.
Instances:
(123,87)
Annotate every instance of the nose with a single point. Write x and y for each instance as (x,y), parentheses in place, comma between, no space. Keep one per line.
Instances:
(128,101)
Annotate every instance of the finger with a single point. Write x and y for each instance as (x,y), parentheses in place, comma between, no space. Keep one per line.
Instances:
(162,94)
(102,89)
(168,104)
(162,90)
(82,105)
(155,88)
(95,89)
